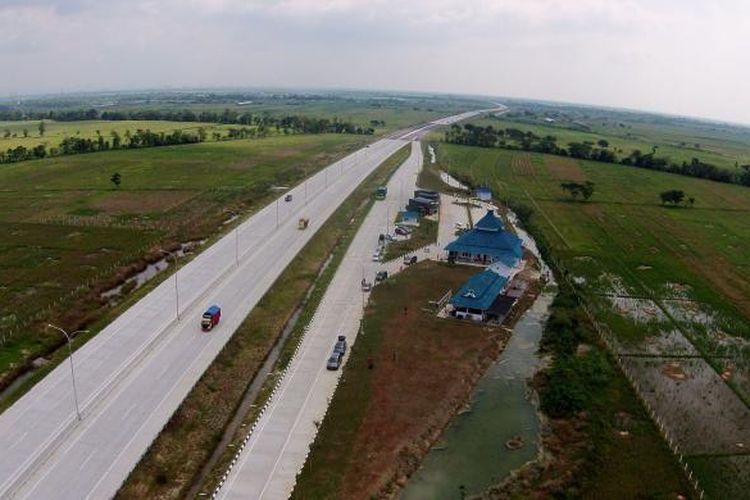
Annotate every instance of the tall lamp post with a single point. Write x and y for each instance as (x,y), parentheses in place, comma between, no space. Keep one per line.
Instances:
(69,338)
(236,239)
(176,290)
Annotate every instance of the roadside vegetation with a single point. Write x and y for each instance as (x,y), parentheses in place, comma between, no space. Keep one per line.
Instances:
(407,374)
(176,459)
(513,138)
(69,234)
(422,235)
(667,288)
(248,126)
(600,442)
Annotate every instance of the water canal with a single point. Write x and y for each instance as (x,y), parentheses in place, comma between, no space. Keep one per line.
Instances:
(472,454)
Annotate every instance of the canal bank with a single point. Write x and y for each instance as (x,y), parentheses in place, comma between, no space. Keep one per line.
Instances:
(499,430)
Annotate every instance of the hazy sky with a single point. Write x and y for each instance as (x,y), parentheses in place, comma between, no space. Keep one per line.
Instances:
(690,57)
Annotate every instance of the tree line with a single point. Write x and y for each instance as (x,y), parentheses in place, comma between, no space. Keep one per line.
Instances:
(147,139)
(513,138)
(288,124)
(79,145)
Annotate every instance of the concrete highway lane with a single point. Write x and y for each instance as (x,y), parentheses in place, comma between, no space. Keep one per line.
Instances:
(133,374)
(277,449)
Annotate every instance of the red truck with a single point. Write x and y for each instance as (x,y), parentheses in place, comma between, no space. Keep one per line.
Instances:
(210,318)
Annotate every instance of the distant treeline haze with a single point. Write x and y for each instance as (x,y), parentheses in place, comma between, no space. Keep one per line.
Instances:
(254,126)
(512,138)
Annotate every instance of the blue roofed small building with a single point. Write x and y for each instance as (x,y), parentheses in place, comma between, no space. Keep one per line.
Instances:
(486,243)
(484,193)
(476,298)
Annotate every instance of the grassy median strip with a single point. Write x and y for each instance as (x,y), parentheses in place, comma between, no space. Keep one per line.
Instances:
(423,235)
(177,456)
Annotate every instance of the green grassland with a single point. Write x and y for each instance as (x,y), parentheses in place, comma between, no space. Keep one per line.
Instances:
(688,267)
(56,131)
(65,229)
(624,226)
(678,143)
(396,110)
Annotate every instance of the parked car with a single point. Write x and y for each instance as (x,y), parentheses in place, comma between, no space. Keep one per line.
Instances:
(460,225)
(340,347)
(334,362)
(288,197)
(381,276)
(410,259)
(342,338)
(377,255)
(401,231)
(366,285)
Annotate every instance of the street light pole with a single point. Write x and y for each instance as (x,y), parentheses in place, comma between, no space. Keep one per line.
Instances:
(176,290)
(69,338)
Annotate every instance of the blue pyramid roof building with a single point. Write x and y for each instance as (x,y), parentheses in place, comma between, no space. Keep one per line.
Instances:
(490,222)
(488,242)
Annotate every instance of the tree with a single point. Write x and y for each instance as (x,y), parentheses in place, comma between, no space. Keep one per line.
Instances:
(115,139)
(116,179)
(25,132)
(42,128)
(201,134)
(586,189)
(6,134)
(673,196)
(602,143)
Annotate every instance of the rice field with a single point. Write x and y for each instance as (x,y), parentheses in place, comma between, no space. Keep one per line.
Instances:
(670,286)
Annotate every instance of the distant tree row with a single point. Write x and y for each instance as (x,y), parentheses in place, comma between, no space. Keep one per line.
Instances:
(80,145)
(148,139)
(513,138)
(287,124)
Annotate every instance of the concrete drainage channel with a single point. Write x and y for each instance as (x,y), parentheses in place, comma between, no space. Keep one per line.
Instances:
(253,390)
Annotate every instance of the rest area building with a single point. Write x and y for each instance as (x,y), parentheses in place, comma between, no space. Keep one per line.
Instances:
(486,243)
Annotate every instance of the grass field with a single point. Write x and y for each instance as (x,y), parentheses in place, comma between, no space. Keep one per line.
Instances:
(55,131)
(65,229)
(424,234)
(673,142)
(664,282)
(394,114)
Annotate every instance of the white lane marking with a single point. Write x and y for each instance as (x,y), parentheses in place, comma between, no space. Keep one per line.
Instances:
(83,464)
(15,443)
(127,412)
